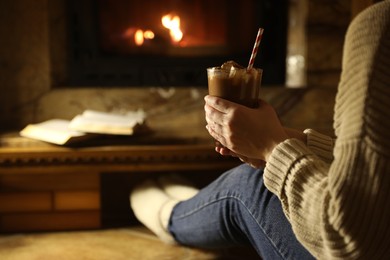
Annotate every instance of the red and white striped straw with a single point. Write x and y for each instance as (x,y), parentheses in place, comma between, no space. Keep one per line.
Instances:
(255,48)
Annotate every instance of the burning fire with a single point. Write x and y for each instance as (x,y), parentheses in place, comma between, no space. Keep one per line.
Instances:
(140,36)
(172,22)
(169,21)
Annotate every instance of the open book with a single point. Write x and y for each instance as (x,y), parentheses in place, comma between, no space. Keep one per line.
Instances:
(87,125)
(91,121)
(54,131)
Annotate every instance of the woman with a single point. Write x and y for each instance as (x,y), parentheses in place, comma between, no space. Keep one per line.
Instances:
(317,197)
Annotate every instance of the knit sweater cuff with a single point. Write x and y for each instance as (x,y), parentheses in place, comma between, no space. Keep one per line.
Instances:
(280,164)
(321,145)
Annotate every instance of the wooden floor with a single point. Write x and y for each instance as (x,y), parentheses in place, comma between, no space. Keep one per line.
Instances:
(114,244)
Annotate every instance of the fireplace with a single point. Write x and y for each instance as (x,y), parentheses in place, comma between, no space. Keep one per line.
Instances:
(171,42)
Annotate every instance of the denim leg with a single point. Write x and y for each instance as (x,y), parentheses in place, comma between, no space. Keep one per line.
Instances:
(237,209)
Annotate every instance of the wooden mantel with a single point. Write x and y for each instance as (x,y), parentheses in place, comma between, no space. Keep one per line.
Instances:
(54,159)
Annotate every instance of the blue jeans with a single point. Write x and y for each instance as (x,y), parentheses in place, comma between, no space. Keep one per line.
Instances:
(237,209)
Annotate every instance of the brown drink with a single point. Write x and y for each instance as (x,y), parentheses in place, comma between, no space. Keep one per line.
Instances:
(235,83)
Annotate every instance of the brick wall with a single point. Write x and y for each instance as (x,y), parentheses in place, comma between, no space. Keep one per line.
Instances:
(30,202)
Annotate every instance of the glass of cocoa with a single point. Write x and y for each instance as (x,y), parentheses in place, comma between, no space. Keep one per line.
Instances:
(235,83)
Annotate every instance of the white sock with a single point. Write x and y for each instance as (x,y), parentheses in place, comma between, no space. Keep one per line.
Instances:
(153,208)
(177,187)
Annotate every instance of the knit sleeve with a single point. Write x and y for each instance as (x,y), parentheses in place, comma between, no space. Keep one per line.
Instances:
(341,210)
(321,145)
(289,173)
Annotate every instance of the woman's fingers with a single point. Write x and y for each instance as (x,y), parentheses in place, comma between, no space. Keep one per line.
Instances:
(214,116)
(217,135)
(219,104)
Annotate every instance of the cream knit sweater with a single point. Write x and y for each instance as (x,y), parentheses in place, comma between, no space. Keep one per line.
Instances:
(337,194)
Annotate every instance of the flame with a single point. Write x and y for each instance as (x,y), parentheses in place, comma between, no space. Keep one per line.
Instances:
(148,34)
(139,37)
(169,21)
(172,22)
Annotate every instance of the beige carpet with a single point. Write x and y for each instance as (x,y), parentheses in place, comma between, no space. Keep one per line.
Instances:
(115,244)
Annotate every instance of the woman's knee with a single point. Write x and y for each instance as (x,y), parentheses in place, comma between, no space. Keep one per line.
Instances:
(243,177)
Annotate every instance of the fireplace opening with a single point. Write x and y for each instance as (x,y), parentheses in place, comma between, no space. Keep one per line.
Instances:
(171,42)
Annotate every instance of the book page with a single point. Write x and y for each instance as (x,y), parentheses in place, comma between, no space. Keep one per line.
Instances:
(53,131)
(107,123)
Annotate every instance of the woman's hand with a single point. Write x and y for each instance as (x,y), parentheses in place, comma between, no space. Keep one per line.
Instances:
(250,133)
(255,163)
